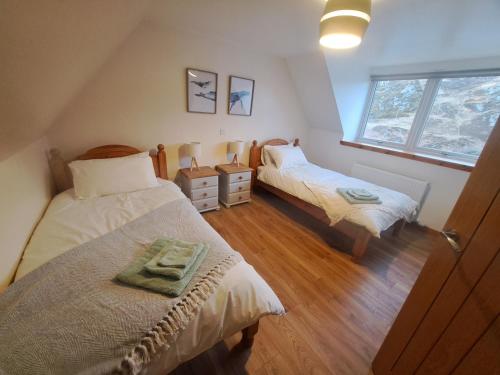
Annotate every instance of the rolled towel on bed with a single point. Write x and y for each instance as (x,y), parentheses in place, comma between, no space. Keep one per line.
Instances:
(365,197)
(136,274)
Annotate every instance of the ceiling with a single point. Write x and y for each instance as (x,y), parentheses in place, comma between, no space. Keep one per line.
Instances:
(413,31)
(281,27)
(399,28)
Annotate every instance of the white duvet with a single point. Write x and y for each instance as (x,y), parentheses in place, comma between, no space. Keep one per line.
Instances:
(241,298)
(318,186)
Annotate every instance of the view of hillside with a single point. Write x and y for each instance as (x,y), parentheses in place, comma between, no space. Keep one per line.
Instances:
(464,112)
(393,109)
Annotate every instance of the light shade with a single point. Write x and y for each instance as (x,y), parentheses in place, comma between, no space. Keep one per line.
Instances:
(344,23)
(236,147)
(193,149)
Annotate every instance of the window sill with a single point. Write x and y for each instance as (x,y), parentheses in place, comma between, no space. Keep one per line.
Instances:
(425,159)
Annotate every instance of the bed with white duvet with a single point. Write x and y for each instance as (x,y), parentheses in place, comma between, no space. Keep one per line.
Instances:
(286,168)
(240,299)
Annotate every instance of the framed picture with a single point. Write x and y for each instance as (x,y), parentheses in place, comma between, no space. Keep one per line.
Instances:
(240,96)
(201,91)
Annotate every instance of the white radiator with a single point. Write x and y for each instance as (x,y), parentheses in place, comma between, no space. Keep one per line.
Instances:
(415,189)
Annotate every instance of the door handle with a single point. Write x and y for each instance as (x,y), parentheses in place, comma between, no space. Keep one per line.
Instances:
(452,237)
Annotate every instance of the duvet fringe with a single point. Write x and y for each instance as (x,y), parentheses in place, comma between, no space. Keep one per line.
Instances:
(167,329)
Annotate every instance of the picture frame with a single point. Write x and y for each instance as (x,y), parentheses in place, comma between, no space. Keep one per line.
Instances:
(201,90)
(240,98)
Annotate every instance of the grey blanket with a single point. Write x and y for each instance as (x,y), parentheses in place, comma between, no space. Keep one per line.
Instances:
(70,317)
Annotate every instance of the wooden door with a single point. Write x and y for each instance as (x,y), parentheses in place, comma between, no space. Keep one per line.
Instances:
(449,323)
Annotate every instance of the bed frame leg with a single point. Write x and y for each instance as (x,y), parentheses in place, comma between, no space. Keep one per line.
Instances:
(249,335)
(398,227)
(360,245)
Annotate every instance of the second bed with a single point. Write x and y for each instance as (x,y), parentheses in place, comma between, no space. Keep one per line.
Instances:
(314,190)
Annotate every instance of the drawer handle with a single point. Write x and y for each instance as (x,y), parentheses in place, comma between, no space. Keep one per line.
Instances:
(205,183)
(240,188)
(205,205)
(240,178)
(205,194)
(240,198)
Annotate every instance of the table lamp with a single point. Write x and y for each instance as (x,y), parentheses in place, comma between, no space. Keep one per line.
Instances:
(194,150)
(236,147)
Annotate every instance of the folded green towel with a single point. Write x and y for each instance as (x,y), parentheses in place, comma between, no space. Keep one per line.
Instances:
(177,253)
(343,192)
(136,275)
(361,194)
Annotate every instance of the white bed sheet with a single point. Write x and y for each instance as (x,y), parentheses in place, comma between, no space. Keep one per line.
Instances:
(289,180)
(317,186)
(242,297)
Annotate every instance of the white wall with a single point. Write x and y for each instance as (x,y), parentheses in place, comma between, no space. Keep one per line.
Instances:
(139,98)
(312,83)
(446,184)
(25,191)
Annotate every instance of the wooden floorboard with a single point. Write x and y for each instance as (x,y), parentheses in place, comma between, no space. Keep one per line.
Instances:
(338,312)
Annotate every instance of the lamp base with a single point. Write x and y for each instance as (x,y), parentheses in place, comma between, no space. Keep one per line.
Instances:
(194,163)
(235,160)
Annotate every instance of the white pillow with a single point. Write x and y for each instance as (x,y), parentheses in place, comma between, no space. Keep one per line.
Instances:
(97,177)
(266,157)
(288,157)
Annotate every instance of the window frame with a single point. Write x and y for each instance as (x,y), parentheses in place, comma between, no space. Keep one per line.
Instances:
(421,115)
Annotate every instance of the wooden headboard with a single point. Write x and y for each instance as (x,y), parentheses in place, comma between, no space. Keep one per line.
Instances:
(255,160)
(115,151)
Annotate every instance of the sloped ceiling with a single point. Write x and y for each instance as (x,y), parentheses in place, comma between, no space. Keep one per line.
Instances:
(413,31)
(279,27)
(48,50)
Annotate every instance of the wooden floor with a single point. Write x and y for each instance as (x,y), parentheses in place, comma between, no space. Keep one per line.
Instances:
(338,312)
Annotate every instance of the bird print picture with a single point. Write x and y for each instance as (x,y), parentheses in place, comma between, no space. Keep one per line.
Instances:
(241,96)
(201,91)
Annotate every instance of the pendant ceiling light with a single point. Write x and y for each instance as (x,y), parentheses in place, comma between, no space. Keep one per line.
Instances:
(344,23)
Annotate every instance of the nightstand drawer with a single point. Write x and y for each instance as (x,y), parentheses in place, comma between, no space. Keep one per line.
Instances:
(238,197)
(239,187)
(206,204)
(198,183)
(204,193)
(239,177)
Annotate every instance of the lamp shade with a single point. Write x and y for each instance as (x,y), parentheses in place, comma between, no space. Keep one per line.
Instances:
(344,23)
(193,149)
(236,147)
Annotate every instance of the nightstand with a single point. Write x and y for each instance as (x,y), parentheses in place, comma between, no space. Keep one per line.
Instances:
(202,187)
(235,184)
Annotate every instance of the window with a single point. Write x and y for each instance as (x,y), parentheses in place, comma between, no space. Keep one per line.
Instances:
(448,116)
(464,112)
(393,110)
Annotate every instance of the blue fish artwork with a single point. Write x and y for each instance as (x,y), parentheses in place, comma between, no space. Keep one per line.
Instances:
(238,97)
